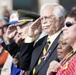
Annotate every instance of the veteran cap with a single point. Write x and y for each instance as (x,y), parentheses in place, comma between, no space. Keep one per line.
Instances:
(21,17)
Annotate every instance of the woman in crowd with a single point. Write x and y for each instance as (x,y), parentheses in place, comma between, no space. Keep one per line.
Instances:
(63,48)
(68,65)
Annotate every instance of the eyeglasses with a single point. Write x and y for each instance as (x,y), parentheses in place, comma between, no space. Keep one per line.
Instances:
(48,17)
(68,24)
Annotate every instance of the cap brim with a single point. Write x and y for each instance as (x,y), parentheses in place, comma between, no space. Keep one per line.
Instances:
(24,21)
(10,23)
(20,22)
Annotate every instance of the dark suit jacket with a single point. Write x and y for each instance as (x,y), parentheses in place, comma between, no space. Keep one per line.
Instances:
(30,54)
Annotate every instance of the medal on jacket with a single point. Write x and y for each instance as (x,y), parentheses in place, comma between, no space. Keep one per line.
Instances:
(46,55)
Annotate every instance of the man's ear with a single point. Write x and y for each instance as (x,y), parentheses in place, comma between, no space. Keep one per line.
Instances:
(61,20)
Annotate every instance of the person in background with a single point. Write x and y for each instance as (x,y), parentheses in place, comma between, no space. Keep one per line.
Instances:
(21,31)
(17,32)
(73,8)
(68,65)
(1,28)
(5,57)
(63,48)
(5,64)
(5,10)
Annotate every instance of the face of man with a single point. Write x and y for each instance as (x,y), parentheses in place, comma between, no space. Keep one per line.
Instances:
(21,32)
(69,30)
(48,20)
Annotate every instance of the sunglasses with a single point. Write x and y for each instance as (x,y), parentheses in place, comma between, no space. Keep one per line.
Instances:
(68,24)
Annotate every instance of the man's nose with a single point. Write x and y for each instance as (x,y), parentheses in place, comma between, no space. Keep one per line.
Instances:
(44,20)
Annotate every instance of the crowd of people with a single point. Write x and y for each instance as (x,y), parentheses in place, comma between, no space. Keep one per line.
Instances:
(33,44)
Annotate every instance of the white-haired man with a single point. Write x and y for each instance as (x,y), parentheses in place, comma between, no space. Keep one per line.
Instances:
(34,57)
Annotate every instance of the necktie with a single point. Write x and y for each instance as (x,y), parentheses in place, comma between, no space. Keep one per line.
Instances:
(43,54)
(44,50)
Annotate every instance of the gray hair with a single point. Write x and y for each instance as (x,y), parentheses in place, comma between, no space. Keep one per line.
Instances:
(48,4)
(59,11)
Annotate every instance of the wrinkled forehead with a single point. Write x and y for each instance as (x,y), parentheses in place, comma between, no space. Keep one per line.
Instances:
(48,10)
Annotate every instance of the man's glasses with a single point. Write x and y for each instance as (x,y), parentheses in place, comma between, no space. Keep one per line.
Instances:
(68,24)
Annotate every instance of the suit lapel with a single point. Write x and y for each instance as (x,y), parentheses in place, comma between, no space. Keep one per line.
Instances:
(37,51)
(51,49)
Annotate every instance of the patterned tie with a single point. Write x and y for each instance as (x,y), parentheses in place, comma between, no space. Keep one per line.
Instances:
(43,54)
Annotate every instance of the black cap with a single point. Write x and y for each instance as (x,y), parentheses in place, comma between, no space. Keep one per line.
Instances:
(22,16)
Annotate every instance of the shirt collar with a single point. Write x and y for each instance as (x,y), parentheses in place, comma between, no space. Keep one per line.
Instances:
(53,37)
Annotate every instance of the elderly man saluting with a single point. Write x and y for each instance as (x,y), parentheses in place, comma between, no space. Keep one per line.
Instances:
(36,58)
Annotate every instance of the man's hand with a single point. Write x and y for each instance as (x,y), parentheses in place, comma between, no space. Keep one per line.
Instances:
(53,67)
(18,39)
(34,28)
(11,32)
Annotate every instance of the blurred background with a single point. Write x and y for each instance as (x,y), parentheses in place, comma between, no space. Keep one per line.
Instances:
(32,5)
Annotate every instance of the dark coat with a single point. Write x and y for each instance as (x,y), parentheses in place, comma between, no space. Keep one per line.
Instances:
(30,55)
(12,48)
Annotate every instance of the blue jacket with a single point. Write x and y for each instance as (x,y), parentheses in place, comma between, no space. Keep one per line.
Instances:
(15,71)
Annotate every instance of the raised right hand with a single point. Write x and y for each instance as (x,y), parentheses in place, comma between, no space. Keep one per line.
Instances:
(11,31)
(34,28)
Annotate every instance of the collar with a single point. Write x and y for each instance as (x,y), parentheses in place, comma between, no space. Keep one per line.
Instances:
(53,37)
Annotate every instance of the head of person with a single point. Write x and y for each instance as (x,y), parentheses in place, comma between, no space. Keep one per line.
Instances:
(22,31)
(22,19)
(52,17)
(4,29)
(73,8)
(69,28)
(63,48)
(28,17)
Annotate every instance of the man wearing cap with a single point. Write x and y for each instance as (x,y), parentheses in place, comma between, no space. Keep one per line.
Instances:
(19,23)
(20,28)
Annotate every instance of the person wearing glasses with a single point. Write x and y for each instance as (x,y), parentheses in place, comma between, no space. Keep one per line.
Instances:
(68,65)
(31,56)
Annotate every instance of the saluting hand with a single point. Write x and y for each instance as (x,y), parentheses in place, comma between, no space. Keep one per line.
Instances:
(34,28)
(11,31)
